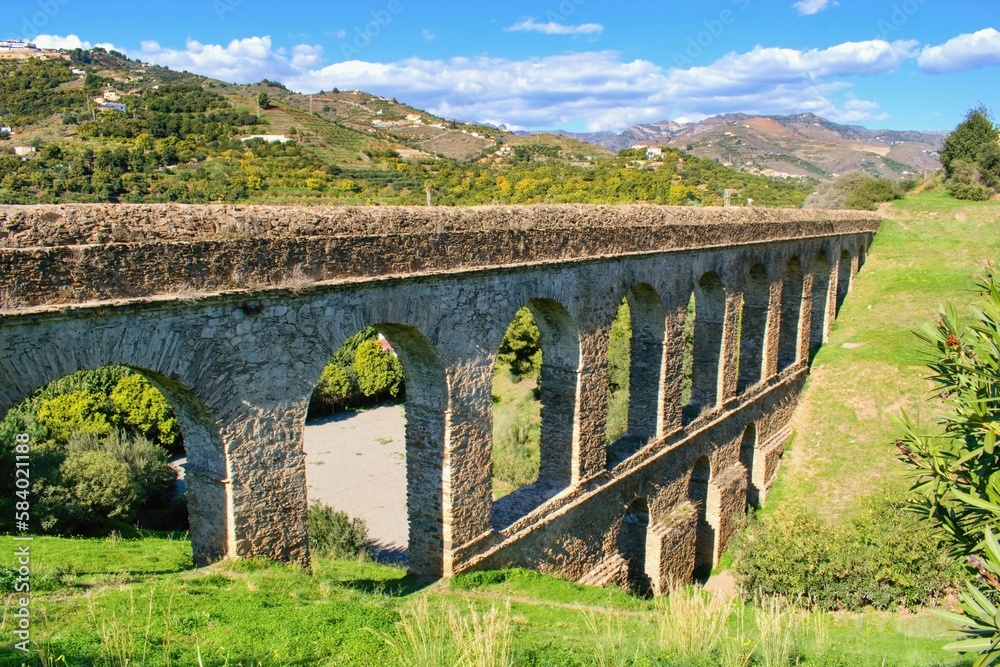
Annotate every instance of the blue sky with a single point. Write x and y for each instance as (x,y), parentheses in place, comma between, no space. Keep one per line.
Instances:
(573,64)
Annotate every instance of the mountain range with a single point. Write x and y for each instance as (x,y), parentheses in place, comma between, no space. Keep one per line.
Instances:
(797,145)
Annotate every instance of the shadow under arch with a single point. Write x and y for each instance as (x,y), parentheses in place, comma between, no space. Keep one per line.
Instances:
(700,494)
(820,301)
(206,473)
(844,278)
(756,304)
(427,422)
(791,314)
(558,391)
(706,346)
(632,545)
(644,416)
(748,456)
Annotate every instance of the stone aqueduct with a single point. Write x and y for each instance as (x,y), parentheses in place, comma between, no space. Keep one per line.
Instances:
(233,312)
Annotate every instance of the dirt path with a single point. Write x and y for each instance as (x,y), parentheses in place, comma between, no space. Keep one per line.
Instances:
(355,462)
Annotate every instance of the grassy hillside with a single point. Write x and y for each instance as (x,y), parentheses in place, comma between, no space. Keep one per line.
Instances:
(926,253)
(183,138)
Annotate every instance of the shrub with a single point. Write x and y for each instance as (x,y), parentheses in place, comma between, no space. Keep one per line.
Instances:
(99,486)
(144,409)
(379,371)
(883,557)
(854,190)
(955,469)
(333,534)
(969,191)
(77,412)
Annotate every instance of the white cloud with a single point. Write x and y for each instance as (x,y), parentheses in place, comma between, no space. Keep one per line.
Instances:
(241,61)
(965,52)
(554,28)
(60,42)
(428,35)
(810,7)
(598,90)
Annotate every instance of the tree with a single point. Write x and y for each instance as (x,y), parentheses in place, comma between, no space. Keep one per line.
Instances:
(968,139)
(521,347)
(957,473)
(263,100)
(379,371)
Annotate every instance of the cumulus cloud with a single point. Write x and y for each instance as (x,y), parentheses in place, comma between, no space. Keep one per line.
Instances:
(965,52)
(597,90)
(65,42)
(554,28)
(810,7)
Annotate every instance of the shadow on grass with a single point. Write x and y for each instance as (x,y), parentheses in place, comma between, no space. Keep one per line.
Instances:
(402,587)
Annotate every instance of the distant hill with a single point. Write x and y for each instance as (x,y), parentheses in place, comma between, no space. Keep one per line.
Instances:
(95,126)
(799,145)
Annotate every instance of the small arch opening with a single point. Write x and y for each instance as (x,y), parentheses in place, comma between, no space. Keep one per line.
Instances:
(748,457)
(844,278)
(557,398)
(699,492)
(753,327)
(709,315)
(791,315)
(632,539)
(820,302)
(635,371)
(374,444)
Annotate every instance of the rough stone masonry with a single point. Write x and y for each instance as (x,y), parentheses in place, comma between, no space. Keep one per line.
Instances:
(232,311)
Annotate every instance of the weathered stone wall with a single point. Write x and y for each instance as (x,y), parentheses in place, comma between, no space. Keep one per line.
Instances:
(76,253)
(240,366)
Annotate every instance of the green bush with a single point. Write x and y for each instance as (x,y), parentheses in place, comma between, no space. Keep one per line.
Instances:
(333,534)
(884,557)
(854,190)
(144,409)
(969,191)
(379,371)
(78,412)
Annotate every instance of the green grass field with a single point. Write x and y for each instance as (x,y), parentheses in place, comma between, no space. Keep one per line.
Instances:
(141,602)
(925,254)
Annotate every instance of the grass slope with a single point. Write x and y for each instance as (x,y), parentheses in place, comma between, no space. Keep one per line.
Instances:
(925,254)
(120,602)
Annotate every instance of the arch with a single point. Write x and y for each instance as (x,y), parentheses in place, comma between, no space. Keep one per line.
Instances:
(426,424)
(748,457)
(700,494)
(632,545)
(820,301)
(709,324)
(643,389)
(791,314)
(558,392)
(844,277)
(756,304)
(207,484)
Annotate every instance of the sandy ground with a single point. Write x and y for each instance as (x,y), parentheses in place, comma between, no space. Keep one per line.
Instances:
(355,462)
